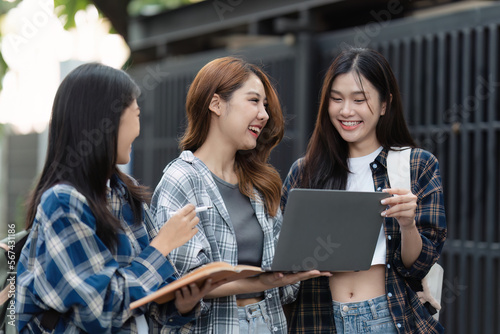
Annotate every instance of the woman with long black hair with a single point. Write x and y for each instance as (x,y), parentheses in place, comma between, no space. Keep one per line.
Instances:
(93,248)
(360,120)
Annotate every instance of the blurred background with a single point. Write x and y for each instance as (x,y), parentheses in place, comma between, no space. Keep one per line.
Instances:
(444,53)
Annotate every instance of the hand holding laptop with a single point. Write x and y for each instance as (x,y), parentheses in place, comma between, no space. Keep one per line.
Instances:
(279,279)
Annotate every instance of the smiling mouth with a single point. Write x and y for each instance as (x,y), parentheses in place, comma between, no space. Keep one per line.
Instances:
(254,129)
(350,123)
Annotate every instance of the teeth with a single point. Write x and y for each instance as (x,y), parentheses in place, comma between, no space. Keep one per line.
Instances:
(350,123)
(254,129)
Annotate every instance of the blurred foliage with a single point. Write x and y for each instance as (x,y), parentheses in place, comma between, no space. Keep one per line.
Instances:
(5,6)
(150,7)
(66,10)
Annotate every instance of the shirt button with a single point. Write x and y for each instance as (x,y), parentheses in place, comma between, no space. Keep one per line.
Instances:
(275,329)
(269,296)
(389,295)
(388,266)
(399,325)
(389,237)
(345,308)
(379,188)
(374,166)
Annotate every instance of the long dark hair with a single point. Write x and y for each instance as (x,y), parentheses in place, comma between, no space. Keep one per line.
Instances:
(82,143)
(325,164)
(223,76)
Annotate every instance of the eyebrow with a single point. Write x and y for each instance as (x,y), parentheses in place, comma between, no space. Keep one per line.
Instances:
(252,92)
(352,93)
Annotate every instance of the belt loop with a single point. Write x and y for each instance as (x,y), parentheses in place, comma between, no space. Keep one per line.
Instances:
(373,308)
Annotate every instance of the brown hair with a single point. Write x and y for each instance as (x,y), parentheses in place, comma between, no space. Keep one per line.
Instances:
(223,76)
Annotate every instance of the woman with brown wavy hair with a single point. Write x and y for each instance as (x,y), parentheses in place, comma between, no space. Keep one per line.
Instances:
(234,121)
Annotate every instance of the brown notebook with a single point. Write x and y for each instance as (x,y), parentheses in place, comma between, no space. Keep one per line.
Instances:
(216,271)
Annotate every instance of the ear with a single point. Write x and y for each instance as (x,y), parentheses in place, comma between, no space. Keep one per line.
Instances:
(214,105)
(384,106)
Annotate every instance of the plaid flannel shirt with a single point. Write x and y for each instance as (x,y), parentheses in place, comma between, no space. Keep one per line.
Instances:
(188,180)
(312,312)
(64,266)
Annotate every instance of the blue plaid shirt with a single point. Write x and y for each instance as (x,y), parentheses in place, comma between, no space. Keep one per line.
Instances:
(313,312)
(188,180)
(64,266)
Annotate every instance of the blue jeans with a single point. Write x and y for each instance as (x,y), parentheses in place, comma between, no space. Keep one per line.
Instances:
(369,316)
(254,318)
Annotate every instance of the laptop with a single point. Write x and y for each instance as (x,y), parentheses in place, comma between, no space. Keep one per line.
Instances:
(329,230)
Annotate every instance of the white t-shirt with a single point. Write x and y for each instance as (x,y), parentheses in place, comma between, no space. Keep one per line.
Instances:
(361,179)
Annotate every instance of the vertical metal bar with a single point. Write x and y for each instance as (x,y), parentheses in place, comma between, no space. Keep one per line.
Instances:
(453,186)
(396,60)
(405,78)
(491,172)
(477,191)
(303,66)
(416,109)
(464,305)
(428,80)
(149,135)
(441,137)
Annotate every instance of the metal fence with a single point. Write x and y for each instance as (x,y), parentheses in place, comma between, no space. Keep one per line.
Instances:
(447,68)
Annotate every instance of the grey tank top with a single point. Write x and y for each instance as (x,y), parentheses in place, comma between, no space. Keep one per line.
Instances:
(249,234)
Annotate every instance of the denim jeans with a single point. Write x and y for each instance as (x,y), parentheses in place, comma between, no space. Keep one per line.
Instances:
(254,318)
(369,316)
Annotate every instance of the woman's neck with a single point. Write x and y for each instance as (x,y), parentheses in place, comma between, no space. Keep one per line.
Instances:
(219,160)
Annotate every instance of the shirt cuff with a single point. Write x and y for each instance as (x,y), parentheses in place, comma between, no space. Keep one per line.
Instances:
(422,264)
(157,265)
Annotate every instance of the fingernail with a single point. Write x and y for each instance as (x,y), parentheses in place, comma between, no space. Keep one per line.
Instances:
(382,201)
(383,213)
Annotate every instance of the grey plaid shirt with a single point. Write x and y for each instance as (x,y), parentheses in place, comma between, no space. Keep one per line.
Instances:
(188,180)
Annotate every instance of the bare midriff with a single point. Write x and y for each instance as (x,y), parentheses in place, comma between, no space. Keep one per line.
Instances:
(248,301)
(358,286)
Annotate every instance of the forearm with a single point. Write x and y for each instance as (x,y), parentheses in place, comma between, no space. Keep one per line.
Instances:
(411,245)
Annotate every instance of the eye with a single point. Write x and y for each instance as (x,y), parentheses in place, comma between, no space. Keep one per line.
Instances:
(359,101)
(336,99)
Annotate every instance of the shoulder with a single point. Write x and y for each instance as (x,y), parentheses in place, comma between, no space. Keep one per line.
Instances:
(181,174)
(297,166)
(62,196)
(64,203)
(183,166)
(421,154)
(423,159)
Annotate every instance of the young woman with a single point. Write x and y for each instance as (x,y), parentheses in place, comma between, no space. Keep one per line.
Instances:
(93,248)
(234,121)
(360,119)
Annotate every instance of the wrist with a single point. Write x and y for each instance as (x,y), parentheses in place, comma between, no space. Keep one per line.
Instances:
(410,228)
(162,248)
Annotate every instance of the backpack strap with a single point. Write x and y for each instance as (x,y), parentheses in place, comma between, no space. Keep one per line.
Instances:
(398,167)
(398,172)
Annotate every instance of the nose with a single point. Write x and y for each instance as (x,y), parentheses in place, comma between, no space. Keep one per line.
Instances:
(262,115)
(346,110)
